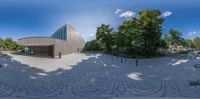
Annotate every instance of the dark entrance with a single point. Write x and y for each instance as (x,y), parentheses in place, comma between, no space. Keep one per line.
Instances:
(42,50)
(51,50)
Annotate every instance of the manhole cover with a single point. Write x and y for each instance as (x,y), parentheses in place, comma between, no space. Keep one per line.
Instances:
(197,66)
(194,83)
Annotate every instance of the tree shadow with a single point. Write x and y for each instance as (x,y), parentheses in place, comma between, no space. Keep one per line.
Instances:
(98,76)
(34,55)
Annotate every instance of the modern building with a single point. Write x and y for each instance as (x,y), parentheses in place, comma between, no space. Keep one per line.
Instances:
(64,41)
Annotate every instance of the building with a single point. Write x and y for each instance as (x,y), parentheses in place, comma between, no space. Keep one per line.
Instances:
(64,41)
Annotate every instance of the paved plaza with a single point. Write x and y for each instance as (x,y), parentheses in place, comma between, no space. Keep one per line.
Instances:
(98,76)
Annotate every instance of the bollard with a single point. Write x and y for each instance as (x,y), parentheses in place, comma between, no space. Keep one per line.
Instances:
(60,54)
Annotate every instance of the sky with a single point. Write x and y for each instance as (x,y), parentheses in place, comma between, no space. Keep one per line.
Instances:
(25,18)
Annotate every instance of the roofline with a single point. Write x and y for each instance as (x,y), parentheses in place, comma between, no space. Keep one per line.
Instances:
(65,25)
(41,37)
(34,37)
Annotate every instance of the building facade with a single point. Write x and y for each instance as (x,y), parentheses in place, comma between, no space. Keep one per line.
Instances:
(63,41)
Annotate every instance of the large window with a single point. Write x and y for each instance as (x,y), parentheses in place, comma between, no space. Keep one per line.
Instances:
(60,34)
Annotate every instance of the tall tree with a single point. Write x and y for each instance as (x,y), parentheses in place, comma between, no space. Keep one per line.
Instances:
(104,36)
(175,38)
(128,33)
(151,29)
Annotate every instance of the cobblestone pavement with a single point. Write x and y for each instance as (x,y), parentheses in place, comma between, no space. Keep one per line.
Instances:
(102,76)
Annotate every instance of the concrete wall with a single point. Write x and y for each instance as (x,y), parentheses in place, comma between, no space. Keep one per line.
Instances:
(74,42)
(36,41)
(59,45)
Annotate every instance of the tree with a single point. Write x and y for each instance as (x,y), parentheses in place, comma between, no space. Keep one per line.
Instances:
(92,46)
(139,36)
(9,44)
(164,43)
(197,42)
(150,24)
(175,38)
(128,33)
(104,37)
(1,44)
(189,43)
(129,37)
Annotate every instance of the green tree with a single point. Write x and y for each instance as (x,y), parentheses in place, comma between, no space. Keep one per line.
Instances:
(197,42)
(104,37)
(128,34)
(1,44)
(139,36)
(164,43)
(175,38)
(9,44)
(189,43)
(150,24)
(92,46)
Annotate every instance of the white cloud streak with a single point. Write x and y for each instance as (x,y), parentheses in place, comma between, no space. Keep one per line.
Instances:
(166,14)
(128,14)
(92,34)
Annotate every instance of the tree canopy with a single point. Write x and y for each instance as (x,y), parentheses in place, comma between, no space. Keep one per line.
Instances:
(9,44)
(104,36)
(175,37)
(139,36)
(197,42)
(151,31)
(92,46)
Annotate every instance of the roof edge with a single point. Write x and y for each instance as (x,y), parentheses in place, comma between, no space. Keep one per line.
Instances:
(34,37)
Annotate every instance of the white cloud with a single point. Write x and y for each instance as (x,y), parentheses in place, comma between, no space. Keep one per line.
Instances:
(127,14)
(118,11)
(192,33)
(166,14)
(92,34)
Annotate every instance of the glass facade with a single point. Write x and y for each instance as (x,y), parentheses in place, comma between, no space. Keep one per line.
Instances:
(61,33)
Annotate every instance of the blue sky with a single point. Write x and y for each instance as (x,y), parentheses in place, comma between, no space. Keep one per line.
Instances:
(23,18)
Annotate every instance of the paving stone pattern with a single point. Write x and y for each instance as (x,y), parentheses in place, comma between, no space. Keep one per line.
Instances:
(102,76)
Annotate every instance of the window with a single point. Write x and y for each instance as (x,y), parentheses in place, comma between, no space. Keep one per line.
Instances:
(60,34)
(65,30)
(64,35)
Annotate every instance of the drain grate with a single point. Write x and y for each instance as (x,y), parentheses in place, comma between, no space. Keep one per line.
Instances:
(194,83)
(1,66)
